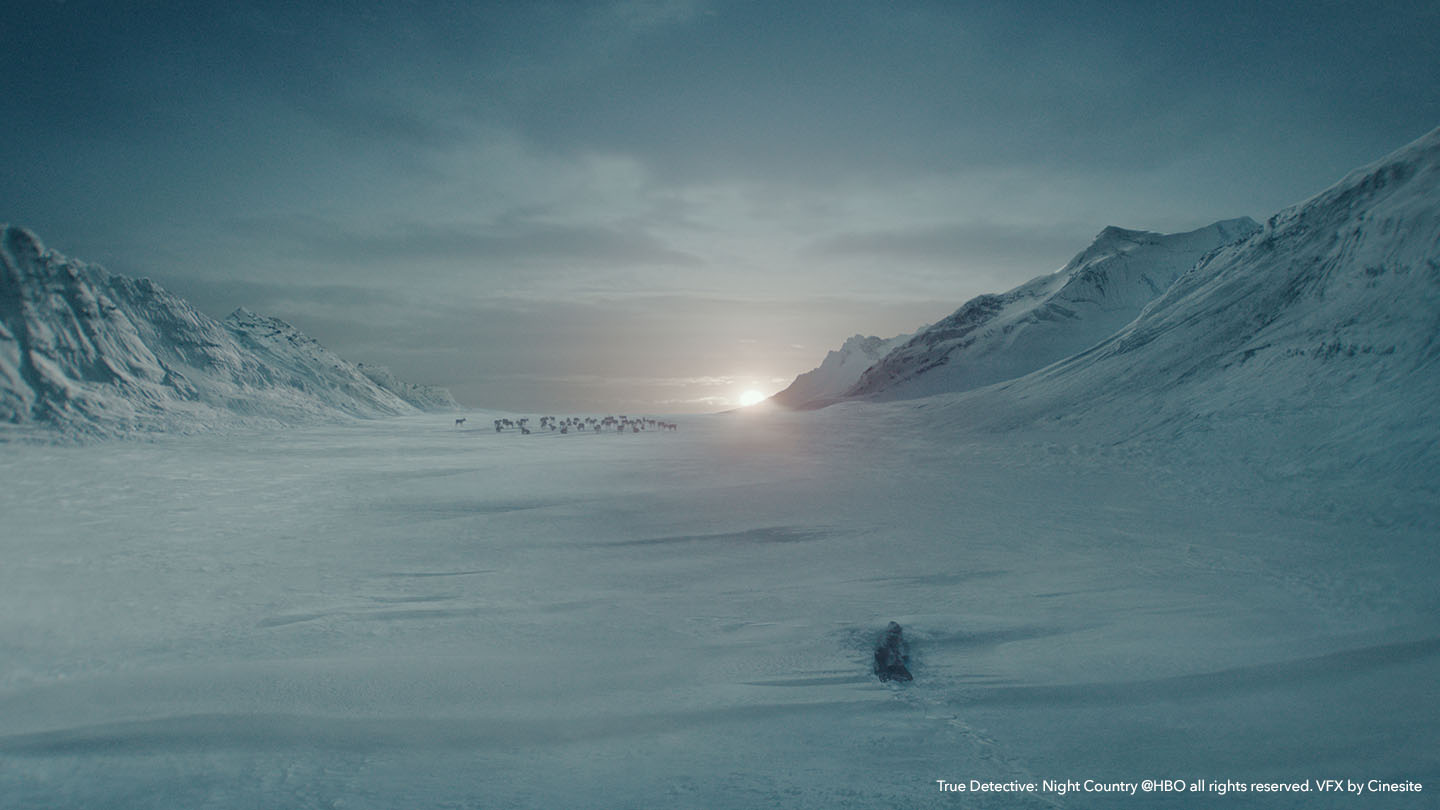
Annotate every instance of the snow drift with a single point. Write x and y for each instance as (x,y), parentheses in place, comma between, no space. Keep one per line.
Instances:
(88,352)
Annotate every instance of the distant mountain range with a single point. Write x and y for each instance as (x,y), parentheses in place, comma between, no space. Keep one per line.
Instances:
(1327,316)
(838,372)
(87,352)
(992,338)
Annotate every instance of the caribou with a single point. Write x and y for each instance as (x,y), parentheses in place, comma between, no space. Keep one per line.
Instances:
(576,424)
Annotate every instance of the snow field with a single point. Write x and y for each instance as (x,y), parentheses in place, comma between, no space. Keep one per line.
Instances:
(400,613)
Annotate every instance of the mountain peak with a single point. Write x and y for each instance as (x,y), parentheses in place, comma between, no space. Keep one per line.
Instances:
(1234,228)
(248,320)
(243,316)
(992,338)
(1111,240)
(99,354)
(838,371)
(1115,233)
(22,247)
(1322,328)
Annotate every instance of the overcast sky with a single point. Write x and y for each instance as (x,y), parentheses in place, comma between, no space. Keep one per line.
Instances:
(654,205)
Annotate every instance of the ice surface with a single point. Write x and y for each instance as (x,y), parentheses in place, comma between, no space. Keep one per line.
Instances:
(399,613)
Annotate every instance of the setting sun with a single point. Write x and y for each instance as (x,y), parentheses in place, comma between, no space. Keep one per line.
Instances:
(750,398)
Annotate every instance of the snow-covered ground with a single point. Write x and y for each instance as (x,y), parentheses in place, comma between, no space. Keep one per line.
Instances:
(403,614)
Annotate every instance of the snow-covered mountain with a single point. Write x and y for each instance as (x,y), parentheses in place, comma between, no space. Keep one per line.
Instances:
(1323,328)
(85,351)
(424,397)
(838,372)
(999,337)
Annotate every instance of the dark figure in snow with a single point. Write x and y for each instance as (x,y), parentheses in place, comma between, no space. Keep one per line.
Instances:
(891,656)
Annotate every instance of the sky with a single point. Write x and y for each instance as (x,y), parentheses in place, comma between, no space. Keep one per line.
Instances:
(657,205)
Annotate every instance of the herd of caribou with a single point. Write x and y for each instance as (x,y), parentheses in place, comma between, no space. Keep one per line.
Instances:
(594,424)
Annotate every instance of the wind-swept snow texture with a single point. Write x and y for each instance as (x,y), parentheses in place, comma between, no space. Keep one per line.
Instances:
(838,372)
(397,613)
(999,337)
(87,352)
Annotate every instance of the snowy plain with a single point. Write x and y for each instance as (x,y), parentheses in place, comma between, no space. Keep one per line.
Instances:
(403,613)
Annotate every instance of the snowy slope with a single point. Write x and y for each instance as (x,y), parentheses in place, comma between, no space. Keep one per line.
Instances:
(1322,331)
(424,397)
(838,372)
(1000,337)
(84,351)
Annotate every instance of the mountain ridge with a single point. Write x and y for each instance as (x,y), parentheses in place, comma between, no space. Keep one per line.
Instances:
(840,369)
(995,337)
(87,352)
(1318,337)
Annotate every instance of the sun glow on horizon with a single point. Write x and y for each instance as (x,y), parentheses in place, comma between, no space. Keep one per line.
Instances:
(750,398)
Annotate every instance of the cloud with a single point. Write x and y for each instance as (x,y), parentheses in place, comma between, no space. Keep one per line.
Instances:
(516,240)
(219,297)
(618,381)
(692,402)
(639,189)
(952,243)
